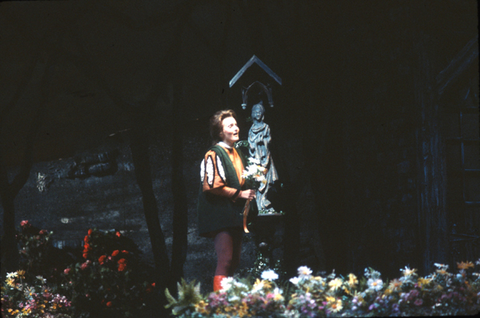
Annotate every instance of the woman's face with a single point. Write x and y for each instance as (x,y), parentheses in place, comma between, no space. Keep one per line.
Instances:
(230,131)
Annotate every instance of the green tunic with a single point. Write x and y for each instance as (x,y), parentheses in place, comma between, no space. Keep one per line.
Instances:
(216,212)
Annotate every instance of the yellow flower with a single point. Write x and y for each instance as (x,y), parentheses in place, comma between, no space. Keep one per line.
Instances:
(438,288)
(352,280)
(266,284)
(423,281)
(442,272)
(330,299)
(201,307)
(407,271)
(464,265)
(335,283)
(395,285)
(10,282)
(21,273)
(242,310)
(278,297)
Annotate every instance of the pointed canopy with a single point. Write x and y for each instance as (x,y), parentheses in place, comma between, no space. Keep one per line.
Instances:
(255,59)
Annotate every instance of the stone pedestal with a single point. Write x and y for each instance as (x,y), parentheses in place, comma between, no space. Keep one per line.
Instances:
(268,230)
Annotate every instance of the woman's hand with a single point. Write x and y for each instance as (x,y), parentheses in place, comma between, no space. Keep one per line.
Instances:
(247,194)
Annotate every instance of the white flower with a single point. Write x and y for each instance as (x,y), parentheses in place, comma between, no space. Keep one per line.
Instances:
(253,160)
(240,285)
(258,286)
(294,280)
(375,284)
(441,266)
(233,298)
(227,283)
(269,275)
(12,275)
(277,294)
(408,272)
(304,271)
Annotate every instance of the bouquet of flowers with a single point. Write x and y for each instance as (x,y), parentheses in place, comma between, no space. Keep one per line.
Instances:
(254,175)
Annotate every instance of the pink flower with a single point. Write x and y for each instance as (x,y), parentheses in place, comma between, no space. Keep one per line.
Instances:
(42,232)
(24,223)
(83,266)
(67,270)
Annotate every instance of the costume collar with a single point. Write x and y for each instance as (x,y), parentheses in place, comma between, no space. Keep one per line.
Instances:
(224,145)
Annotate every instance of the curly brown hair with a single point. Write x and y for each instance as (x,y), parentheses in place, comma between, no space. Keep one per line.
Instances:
(216,126)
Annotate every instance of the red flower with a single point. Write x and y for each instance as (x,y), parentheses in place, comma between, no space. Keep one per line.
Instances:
(109,304)
(122,264)
(125,252)
(150,288)
(90,232)
(101,259)
(118,234)
(86,239)
(42,232)
(86,247)
(115,253)
(85,255)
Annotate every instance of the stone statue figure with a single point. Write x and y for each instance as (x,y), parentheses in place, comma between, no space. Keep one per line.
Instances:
(259,138)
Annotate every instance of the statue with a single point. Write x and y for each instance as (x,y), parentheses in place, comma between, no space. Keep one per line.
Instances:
(259,138)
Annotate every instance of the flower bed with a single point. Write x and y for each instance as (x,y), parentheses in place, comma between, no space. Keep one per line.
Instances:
(440,293)
(105,280)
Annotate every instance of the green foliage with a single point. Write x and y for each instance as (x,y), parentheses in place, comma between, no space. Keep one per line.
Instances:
(35,247)
(109,281)
(188,296)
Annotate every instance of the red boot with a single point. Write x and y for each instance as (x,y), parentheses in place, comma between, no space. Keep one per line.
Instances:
(217,282)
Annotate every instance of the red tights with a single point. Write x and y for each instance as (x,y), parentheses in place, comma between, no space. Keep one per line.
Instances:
(228,245)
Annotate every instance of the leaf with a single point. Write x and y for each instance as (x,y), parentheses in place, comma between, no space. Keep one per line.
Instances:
(171,301)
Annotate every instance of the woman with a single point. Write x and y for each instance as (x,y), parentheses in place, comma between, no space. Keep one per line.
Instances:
(223,194)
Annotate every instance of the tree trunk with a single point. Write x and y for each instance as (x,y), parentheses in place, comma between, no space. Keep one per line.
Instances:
(141,161)
(432,228)
(9,244)
(180,208)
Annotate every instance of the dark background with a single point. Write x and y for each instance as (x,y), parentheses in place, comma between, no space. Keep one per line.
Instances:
(375,125)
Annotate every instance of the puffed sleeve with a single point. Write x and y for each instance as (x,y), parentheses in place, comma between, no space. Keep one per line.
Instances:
(212,175)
